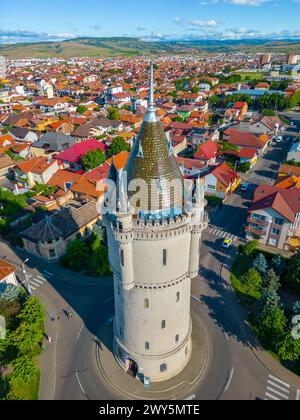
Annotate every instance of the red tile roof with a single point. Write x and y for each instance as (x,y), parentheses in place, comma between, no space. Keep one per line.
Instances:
(207,151)
(74,153)
(224,174)
(286,202)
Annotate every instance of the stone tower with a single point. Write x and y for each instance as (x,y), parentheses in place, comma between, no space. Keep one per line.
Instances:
(154,253)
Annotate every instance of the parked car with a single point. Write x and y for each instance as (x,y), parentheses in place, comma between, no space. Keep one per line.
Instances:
(278,139)
(244,186)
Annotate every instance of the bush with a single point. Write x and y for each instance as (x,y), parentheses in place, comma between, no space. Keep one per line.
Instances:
(251,281)
(250,247)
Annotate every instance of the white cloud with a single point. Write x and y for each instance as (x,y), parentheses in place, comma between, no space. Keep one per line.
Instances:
(141,28)
(20,35)
(246,2)
(197,23)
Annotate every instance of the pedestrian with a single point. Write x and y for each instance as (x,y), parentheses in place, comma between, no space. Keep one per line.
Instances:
(50,339)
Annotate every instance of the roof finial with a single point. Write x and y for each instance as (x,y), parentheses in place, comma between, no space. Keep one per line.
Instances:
(151,96)
(151,114)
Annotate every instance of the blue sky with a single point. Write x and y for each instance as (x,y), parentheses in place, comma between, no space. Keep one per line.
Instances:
(33,20)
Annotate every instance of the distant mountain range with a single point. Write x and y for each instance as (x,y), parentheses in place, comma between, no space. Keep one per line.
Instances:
(121,46)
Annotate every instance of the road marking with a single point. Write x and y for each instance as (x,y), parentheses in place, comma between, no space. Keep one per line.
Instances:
(191,397)
(79,383)
(41,278)
(229,379)
(278,393)
(226,335)
(278,386)
(34,283)
(196,298)
(38,281)
(78,335)
(272,396)
(48,273)
(279,380)
(54,361)
(298,395)
(32,287)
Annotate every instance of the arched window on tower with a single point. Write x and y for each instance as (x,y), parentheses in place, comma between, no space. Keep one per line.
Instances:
(177,296)
(146,303)
(147,345)
(164,257)
(163,324)
(177,338)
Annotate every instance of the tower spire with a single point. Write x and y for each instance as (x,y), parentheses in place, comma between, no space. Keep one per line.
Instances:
(151,114)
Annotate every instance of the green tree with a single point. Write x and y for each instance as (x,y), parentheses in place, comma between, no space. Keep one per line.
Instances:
(195,89)
(271,280)
(250,247)
(260,263)
(33,311)
(244,167)
(113,113)
(26,337)
(292,276)
(81,109)
(272,323)
(278,263)
(118,145)
(296,307)
(24,369)
(92,159)
(77,254)
(289,348)
(252,281)
(269,113)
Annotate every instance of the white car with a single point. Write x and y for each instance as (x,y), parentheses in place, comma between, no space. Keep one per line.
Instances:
(278,139)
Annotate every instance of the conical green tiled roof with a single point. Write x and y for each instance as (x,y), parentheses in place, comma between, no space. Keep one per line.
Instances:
(152,160)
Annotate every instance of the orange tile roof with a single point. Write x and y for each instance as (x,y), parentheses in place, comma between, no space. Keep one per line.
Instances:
(37,165)
(119,160)
(6,269)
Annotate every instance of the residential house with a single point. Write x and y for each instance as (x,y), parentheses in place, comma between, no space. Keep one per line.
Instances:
(288,170)
(71,157)
(50,237)
(242,108)
(274,217)
(8,273)
(288,181)
(6,165)
(221,181)
(247,155)
(22,134)
(294,153)
(38,170)
(191,167)
(51,143)
(243,139)
(207,152)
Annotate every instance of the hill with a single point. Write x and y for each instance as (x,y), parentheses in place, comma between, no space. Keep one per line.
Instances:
(85,47)
(121,46)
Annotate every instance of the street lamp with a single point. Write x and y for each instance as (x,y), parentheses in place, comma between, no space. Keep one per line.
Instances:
(26,276)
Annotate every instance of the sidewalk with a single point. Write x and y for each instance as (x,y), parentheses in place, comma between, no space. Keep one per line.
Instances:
(179,387)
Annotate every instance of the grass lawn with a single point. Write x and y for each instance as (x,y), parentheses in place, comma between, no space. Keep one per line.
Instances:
(251,75)
(27,391)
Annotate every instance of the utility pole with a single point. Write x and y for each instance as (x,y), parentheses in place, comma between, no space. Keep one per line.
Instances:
(26,277)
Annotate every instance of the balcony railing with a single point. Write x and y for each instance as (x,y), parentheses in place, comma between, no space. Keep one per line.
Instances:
(257,221)
(255,231)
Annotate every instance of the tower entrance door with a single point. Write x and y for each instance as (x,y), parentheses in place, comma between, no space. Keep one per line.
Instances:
(132,367)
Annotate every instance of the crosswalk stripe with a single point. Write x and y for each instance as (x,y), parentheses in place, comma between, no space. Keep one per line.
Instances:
(278,393)
(278,386)
(34,283)
(279,380)
(41,278)
(38,281)
(32,287)
(223,234)
(272,396)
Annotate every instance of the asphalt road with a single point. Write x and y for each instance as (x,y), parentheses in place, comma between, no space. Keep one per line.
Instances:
(239,367)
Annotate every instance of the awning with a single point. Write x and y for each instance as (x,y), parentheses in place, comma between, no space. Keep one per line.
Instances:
(295,242)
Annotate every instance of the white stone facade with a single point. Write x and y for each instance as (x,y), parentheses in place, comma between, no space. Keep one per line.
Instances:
(153,263)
